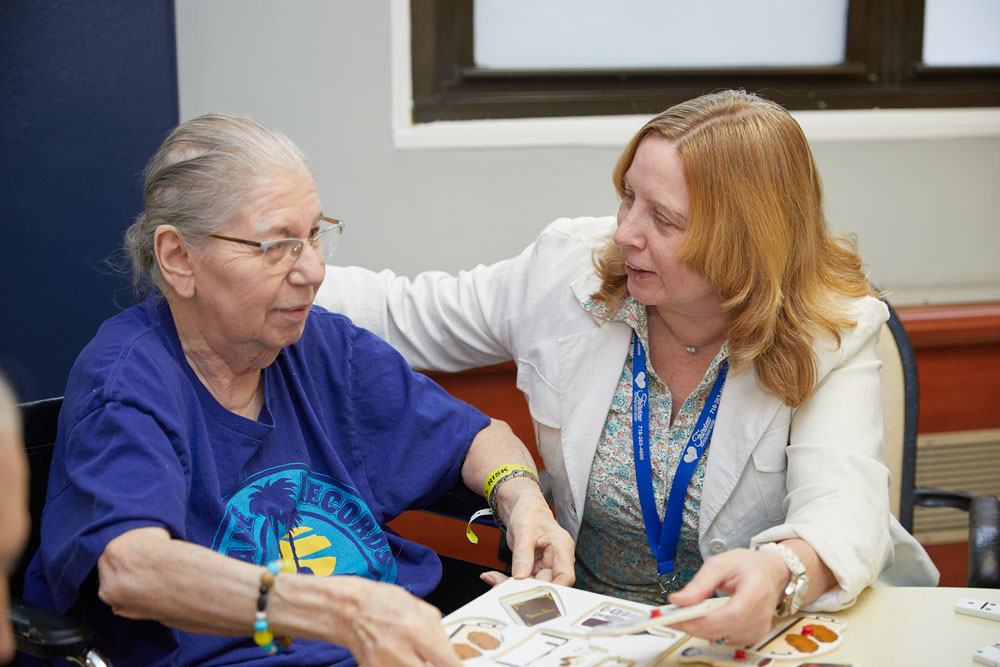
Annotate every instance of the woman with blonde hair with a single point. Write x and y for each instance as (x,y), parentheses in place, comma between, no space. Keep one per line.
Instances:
(700,369)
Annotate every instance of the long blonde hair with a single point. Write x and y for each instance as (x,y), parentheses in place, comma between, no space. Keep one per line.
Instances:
(756,232)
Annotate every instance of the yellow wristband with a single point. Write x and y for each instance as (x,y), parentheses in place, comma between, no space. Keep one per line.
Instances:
(503,472)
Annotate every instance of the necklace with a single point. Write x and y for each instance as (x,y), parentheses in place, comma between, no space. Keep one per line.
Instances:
(690,349)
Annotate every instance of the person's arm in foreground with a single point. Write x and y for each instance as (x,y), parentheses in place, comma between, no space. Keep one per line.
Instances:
(541,547)
(144,574)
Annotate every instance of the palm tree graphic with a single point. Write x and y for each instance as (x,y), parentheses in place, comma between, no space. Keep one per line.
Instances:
(294,521)
(275,500)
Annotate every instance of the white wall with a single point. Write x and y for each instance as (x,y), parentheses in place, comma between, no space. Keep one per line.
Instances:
(925,210)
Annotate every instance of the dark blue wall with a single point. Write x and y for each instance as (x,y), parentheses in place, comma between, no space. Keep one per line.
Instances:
(87,92)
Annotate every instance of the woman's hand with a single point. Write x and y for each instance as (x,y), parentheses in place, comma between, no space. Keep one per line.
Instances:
(754,581)
(394,628)
(541,547)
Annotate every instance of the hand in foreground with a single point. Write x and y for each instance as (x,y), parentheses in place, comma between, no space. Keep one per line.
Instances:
(541,547)
(393,628)
(754,580)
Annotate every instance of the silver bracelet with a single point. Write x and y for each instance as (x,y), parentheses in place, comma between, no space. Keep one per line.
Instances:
(492,500)
(798,583)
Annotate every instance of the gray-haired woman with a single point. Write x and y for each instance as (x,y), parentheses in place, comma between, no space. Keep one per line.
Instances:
(225,424)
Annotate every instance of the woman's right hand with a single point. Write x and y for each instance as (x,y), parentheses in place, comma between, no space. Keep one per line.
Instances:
(753,580)
(390,627)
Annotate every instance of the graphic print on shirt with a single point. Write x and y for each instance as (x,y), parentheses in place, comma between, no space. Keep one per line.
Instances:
(312,519)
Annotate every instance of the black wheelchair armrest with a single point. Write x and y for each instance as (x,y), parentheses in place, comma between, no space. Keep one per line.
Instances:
(984,542)
(460,502)
(940,498)
(984,531)
(44,633)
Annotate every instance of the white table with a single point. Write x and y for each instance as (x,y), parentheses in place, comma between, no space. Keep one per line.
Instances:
(904,627)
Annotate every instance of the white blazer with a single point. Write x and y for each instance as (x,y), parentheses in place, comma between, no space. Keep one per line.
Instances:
(772,473)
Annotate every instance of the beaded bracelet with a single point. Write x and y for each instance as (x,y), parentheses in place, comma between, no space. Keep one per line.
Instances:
(496,478)
(262,636)
(500,473)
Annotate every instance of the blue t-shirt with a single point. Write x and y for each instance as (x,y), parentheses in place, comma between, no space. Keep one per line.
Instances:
(348,438)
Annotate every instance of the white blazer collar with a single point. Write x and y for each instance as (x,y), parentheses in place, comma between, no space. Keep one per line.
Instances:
(583,287)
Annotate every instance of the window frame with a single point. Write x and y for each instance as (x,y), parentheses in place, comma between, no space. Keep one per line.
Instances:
(882,69)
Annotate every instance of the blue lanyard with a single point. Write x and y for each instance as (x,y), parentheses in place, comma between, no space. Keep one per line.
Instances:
(663,538)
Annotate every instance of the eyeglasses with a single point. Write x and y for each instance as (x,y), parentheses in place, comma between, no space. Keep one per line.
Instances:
(283,253)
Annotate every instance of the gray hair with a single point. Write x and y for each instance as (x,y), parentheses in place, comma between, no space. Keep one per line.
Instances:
(200,179)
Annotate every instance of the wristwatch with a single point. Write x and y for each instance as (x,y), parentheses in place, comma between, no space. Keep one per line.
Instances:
(798,583)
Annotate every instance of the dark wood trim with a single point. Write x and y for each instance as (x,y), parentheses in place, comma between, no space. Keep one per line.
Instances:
(882,68)
(951,325)
(957,349)
(850,71)
(959,388)
(906,39)
(863,20)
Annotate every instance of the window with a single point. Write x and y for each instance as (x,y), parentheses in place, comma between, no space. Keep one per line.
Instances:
(880,61)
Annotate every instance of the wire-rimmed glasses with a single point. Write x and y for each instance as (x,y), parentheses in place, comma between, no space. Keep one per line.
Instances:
(283,253)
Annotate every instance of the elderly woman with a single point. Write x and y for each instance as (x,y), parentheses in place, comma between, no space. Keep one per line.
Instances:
(224,447)
(716,298)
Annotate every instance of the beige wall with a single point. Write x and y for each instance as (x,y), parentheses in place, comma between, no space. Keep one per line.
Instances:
(925,211)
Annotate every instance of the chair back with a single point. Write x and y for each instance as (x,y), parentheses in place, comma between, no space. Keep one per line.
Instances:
(898,377)
(39,420)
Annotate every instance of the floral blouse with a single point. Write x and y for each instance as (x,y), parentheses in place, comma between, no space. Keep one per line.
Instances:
(613,555)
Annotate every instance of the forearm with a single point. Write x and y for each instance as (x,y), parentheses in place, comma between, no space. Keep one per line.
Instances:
(144,574)
(494,446)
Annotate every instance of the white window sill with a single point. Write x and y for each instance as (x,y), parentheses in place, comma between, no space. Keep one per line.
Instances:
(615,131)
